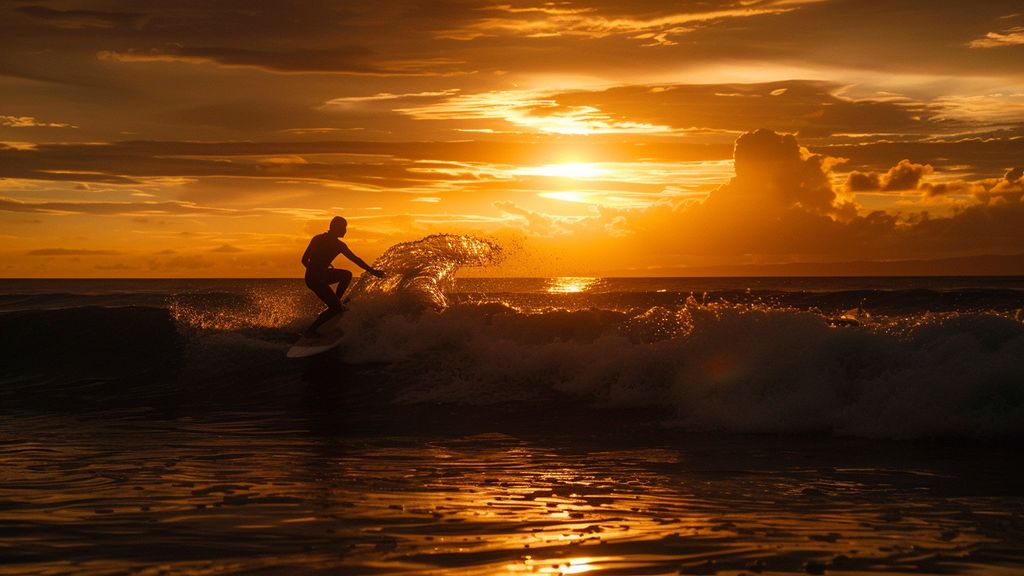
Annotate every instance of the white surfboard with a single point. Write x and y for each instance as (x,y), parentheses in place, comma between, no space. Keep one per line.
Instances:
(330,336)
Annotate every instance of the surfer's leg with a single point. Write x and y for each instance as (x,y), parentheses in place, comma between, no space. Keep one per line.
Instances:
(343,278)
(334,307)
(322,319)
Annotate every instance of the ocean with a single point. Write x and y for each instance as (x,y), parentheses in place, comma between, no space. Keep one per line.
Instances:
(479,425)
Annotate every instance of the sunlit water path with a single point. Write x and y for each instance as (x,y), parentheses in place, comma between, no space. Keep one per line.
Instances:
(258,493)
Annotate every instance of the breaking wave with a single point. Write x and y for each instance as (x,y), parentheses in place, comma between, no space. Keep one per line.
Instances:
(732,362)
(729,368)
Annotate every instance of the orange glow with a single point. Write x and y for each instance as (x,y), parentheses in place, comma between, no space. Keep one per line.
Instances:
(600,139)
(571,566)
(574,170)
(571,285)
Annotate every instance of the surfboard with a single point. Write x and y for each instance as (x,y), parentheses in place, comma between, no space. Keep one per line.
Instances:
(330,336)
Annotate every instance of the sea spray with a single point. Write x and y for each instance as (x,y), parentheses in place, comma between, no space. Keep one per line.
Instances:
(422,272)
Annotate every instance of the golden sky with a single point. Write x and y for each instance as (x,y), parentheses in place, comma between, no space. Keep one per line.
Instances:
(653,137)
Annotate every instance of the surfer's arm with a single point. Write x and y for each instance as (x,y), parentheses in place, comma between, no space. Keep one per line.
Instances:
(359,261)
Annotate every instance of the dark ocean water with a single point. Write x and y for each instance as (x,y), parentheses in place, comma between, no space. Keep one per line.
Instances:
(513,425)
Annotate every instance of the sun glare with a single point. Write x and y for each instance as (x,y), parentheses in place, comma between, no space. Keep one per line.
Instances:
(570,284)
(571,566)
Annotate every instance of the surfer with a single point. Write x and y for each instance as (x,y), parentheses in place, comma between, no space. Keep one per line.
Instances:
(320,274)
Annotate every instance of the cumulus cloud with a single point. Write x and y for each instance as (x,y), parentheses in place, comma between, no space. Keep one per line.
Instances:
(1008,189)
(905,175)
(908,176)
(774,171)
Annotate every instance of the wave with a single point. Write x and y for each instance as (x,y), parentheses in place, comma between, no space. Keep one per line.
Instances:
(733,362)
(700,367)
(729,368)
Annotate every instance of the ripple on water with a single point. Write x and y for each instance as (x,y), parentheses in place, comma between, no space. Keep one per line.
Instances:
(236,495)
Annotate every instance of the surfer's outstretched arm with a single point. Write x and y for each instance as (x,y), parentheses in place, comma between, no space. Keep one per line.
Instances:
(359,261)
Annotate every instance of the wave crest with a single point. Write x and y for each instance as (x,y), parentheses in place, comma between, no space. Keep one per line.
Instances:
(422,272)
(730,368)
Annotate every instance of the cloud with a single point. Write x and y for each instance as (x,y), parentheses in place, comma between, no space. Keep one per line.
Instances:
(984,156)
(190,262)
(810,108)
(226,249)
(530,110)
(131,162)
(781,207)
(356,60)
(70,252)
(908,176)
(903,176)
(1008,189)
(1013,36)
(552,20)
(116,208)
(536,223)
(351,102)
(30,122)
(361,165)
(773,170)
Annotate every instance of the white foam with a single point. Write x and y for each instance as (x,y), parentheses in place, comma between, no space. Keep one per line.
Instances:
(721,367)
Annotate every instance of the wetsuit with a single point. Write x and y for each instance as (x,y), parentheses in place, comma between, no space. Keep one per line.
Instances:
(322,251)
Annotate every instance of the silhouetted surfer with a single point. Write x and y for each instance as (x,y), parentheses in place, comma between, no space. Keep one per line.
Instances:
(317,259)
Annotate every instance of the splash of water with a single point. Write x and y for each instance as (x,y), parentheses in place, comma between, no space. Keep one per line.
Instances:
(422,271)
(258,307)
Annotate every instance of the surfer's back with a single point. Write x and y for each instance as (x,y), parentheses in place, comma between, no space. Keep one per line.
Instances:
(322,250)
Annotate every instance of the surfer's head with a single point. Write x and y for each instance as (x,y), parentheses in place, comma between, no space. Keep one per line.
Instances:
(338,226)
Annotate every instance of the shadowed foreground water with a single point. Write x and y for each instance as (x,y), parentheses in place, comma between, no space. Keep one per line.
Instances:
(262,494)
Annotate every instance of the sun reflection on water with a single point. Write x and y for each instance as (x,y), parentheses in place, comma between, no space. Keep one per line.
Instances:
(570,566)
(571,284)
(475,506)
